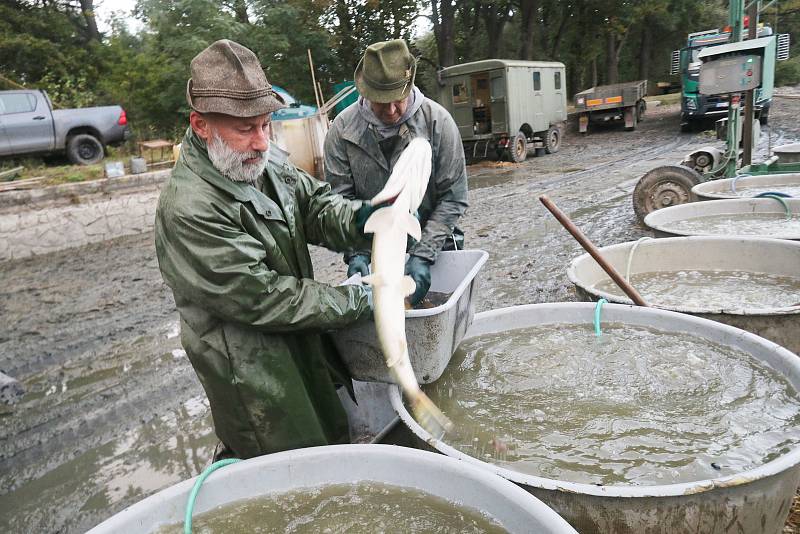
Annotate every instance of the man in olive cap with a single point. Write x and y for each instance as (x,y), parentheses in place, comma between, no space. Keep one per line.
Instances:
(366,139)
(231,234)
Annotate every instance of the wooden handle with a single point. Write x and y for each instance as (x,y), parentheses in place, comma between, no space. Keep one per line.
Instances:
(589,247)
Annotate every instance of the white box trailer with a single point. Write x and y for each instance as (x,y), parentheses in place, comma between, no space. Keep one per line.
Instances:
(506,107)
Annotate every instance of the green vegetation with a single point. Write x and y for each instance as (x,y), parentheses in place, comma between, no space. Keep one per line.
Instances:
(55,45)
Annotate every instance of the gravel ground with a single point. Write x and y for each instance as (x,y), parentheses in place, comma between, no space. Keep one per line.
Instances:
(113,411)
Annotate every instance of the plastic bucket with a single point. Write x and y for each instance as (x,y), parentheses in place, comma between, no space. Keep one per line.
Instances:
(664,221)
(756,500)
(466,485)
(432,334)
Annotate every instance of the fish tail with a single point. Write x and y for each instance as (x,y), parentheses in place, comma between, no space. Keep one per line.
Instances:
(429,416)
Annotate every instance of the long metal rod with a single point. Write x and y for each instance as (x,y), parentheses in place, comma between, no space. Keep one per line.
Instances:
(750,96)
(313,78)
(593,251)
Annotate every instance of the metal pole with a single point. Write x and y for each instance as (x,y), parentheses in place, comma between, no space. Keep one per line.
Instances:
(750,96)
(736,21)
(313,77)
(589,247)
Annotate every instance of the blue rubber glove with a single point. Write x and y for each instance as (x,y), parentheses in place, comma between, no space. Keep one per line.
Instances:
(419,269)
(358,263)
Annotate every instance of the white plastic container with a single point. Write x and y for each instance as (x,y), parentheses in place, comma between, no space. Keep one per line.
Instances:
(753,501)
(432,334)
(468,486)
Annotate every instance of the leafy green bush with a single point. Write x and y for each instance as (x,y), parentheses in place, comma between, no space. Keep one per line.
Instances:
(788,72)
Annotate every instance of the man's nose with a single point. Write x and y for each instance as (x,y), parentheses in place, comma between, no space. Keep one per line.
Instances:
(259,142)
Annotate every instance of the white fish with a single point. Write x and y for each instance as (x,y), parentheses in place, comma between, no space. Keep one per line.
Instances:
(391,225)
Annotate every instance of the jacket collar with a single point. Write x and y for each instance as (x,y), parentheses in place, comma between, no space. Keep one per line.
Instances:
(194,155)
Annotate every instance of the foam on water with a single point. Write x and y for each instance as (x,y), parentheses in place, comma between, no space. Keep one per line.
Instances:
(763,224)
(712,289)
(743,190)
(365,507)
(634,406)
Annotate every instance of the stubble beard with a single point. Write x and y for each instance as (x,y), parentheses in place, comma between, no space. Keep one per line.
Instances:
(231,163)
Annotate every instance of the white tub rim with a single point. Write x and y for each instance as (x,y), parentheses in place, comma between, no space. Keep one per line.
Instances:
(773,467)
(718,207)
(621,299)
(700,189)
(352,453)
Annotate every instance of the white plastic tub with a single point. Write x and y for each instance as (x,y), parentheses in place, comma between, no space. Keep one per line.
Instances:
(458,482)
(664,221)
(747,186)
(753,501)
(432,334)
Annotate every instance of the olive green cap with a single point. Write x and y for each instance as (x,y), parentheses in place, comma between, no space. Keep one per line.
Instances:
(386,72)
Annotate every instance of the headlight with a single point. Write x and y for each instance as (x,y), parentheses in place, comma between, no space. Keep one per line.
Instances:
(580,101)
(691,104)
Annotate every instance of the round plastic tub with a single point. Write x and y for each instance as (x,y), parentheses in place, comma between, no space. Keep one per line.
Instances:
(753,254)
(450,479)
(757,500)
(748,186)
(664,221)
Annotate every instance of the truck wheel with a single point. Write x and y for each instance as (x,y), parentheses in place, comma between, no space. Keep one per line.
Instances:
(552,140)
(518,150)
(641,107)
(84,149)
(665,186)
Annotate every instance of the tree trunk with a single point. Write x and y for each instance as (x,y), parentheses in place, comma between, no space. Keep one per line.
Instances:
(494,19)
(594,72)
(529,10)
(645,51)
(240,10)
(87,10)
(443,24)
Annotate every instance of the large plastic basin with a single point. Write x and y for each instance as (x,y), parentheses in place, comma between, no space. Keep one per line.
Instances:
(663,221)
(721,189)
(516,510)
(753,501)
(757,255)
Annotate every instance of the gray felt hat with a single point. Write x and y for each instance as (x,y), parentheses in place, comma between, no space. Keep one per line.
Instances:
(228,78)
(386,72)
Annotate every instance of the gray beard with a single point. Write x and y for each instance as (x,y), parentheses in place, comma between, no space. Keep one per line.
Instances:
(230,163)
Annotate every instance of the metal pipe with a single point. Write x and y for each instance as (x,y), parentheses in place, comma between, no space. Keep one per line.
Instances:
(589,247)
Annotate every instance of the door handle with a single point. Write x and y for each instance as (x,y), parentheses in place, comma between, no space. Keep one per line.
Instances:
(38,118)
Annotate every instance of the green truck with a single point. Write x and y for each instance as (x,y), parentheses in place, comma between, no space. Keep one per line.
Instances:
(697,108)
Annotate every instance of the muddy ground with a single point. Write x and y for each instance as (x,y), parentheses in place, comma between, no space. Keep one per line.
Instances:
(113,411)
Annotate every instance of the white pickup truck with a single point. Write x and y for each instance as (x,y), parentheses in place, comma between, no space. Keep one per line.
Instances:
(30,125)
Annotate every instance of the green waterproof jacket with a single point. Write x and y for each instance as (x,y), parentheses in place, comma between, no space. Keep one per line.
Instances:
(253,320)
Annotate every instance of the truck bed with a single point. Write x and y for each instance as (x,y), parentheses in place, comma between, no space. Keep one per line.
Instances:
(611,96)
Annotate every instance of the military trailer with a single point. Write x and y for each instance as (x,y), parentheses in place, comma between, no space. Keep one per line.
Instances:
(505,108)
(615,102)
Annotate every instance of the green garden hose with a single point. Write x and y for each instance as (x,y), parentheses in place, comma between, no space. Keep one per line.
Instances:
(597,309)
(780,199)
(187,520)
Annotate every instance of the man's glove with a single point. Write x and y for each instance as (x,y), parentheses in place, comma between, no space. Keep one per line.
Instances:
(358,263)
(419,269)
(364,213)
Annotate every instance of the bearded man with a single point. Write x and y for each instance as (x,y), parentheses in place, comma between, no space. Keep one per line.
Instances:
(232,228)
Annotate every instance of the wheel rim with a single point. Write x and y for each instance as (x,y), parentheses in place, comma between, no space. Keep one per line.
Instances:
(553,140)
(87,150)
(665,194)
(520,146)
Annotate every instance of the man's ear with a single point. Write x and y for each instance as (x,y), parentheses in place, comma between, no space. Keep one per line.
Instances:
(200,125)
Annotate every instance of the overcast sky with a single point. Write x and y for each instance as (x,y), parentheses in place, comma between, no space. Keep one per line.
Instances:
(105,8)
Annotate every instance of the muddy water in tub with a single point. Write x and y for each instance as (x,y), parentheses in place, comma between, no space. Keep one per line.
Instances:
(763,224)
(726,290)
(365,507)
(633,406)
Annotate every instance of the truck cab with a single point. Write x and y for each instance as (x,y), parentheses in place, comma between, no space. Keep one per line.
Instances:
(696,107)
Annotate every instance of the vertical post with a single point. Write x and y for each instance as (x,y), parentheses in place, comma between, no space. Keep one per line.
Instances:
(736,22)
(313,77)
(750,96)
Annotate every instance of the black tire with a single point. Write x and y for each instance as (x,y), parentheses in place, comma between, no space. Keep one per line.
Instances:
(641,107)
(552,140)
(665,186)
(518,149)
(763,117)
(84,149)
